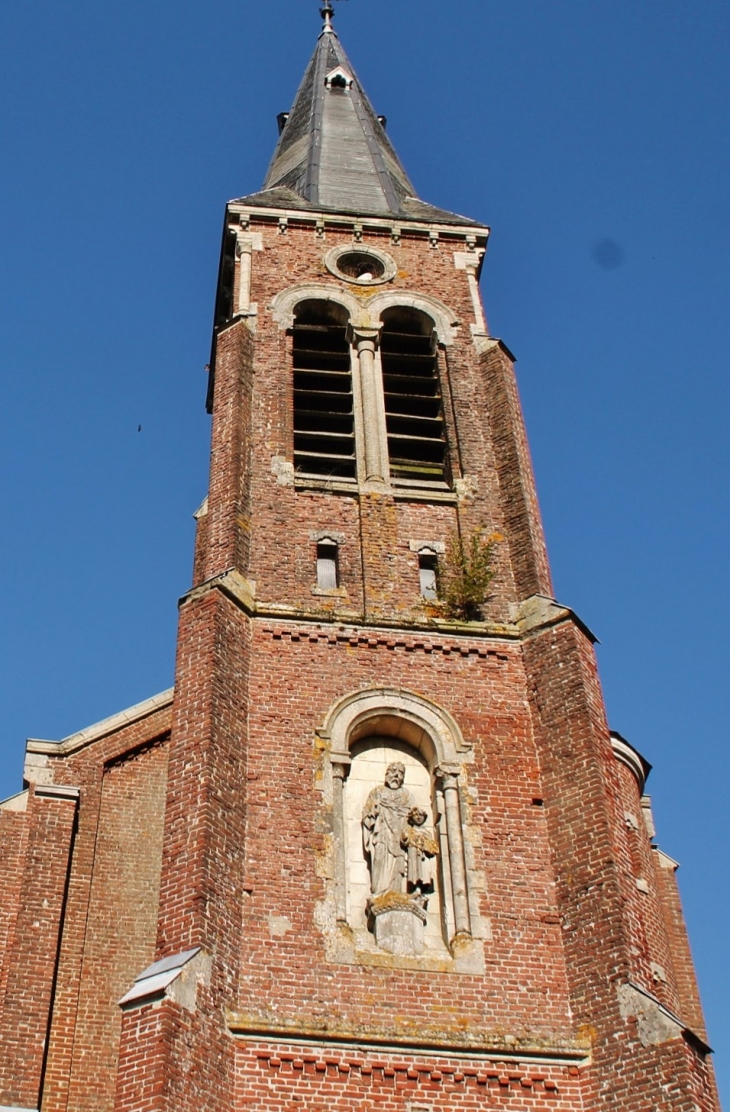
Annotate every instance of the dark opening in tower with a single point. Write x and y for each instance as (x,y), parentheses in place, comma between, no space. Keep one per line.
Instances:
(324,427)
(413,411)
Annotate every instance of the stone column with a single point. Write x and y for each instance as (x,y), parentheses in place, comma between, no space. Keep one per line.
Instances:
(452,807)
(244,251)
(376,455)
(340,768)
(469,261)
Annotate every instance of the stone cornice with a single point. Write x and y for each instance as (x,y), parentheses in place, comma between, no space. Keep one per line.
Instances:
(539,612)
(534,615)
(449,1044)
(402,225)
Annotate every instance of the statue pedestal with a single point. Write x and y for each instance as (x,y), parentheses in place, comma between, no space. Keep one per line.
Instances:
(398,923)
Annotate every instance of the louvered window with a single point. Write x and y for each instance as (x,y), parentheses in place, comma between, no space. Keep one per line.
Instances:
(324,428)
(413,411)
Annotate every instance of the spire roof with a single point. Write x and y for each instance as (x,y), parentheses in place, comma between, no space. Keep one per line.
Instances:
(333,152)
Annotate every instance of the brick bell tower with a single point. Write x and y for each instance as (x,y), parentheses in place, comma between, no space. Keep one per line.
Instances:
(405,863)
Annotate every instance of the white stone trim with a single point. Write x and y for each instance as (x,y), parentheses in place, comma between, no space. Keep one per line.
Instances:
(328,535)
(445,323)
(57,791)
(432,732)
(438,547)
(427,727)
(246,244)
(665,861)
(464,232)
(656,1023)
(107,726)
(17,803)
(283,305)
(193,965)
(365,315)
(630,757)
(470,261)
(333,256)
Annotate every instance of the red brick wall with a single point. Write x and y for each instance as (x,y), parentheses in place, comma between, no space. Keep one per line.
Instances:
(227,531)
(602,916)
(83,985)
(122,917)
(298,672)
(277,1076)
(522,522)
(688,998)
(13,843)
(651,960)
(202,873)
(34,948)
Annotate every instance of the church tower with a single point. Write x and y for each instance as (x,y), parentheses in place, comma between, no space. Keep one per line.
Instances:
(379,848)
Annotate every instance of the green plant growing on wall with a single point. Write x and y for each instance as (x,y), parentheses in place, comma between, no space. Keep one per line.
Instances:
(468,570)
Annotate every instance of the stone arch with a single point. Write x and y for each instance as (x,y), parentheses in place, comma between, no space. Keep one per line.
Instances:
(399,713)
(367,314)
(445,324)
(284,304)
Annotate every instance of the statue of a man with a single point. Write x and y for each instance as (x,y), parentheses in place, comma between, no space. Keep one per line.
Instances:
(383,818)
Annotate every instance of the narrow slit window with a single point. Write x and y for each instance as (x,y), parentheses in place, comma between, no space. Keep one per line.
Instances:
(413,411)
(428,573)
(327,570)
(324,424)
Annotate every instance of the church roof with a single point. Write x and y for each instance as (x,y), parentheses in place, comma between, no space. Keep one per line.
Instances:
(333,152)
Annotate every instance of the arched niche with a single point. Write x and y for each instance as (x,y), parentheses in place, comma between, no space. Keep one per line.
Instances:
(395,712)
(423,902)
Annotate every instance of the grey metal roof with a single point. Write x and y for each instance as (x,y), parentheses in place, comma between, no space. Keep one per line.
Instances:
(333,153)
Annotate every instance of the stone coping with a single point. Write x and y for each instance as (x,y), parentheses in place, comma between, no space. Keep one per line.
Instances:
(535,614)
(107,726)
(625,752)
(447,1044)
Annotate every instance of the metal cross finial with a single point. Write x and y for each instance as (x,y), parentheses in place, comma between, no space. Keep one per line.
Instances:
(327,12)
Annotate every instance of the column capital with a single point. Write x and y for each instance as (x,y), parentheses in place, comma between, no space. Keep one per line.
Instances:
(247,242)
(364,338)
(448,774)
(340,765)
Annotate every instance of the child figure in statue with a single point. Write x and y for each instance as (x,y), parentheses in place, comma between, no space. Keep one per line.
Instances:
(421,849)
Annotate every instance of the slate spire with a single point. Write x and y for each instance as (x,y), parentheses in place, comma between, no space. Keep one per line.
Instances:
(333,151)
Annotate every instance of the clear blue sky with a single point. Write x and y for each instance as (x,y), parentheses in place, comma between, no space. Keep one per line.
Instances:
(592,137)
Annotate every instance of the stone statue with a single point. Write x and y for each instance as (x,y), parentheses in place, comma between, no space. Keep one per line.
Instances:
(383,820)
(401,855)
(421,849)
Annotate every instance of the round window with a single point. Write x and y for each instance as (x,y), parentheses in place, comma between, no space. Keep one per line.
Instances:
(361,265)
